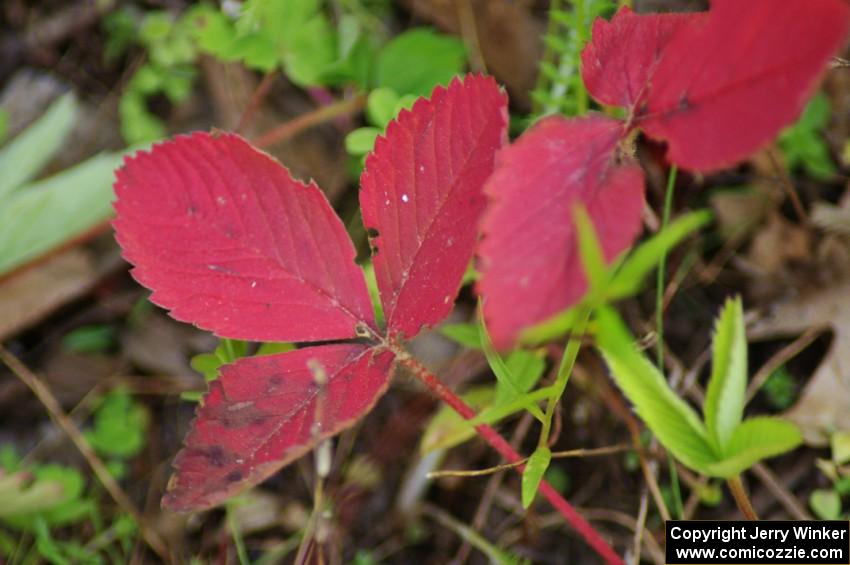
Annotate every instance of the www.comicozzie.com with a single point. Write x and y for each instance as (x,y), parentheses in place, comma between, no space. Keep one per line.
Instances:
(758,543)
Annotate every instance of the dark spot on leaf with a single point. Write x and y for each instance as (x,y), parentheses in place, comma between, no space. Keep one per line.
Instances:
(372,233)
(214,454)
(233,476)
(275,380)
(684,103)
(191,210)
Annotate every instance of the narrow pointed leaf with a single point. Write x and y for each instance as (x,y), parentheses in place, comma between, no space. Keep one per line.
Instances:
(629,277)
(533,473)
(674,422)
(227,240)
(755,439)
(264,412)
(727,388)
(422,198)
(530,265)
(727,86)
(618,63)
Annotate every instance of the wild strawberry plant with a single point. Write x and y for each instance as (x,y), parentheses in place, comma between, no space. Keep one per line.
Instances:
(229,241)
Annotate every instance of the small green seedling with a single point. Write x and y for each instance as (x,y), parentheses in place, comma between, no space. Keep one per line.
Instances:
(721,444)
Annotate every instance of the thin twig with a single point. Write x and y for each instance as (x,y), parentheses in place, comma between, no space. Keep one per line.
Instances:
(640,525)
(318,116)
(257,98)
(58,415)
(788,501)
(780,358)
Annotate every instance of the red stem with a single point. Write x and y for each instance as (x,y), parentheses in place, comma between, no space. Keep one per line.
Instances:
(491,436)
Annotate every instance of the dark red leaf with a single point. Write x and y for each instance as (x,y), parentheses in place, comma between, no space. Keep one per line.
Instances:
(618,63)
(265,412)
(725,88)
(422,198)
(530,265)
(227,240)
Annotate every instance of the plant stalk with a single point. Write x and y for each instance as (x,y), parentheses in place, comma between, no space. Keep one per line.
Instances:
(318,116)
(659,327)
(564,371)
(491,436)
(736,487)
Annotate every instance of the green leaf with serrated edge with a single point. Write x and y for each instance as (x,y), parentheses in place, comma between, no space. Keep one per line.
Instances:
(24,156)
(676,425)
(501,370)
(533,473)
(727,388)
(628,278)
(755,439)
(590,251)
(467,335)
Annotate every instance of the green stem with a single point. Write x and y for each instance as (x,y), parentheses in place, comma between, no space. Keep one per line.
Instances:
(236,533)
(548,57)
(678,506)
(582,103)
(564,371)
(662,270)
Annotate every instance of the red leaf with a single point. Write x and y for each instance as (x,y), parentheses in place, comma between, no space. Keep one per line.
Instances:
(619,61)
(265,412)
(530,265)
(725,88)
(422,198)
(227,240)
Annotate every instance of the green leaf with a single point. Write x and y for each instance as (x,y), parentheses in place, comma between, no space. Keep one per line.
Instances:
(674,422)
(519,402)
(533,473)
(629,277)
(415,61)
(552,329)
(526,368)
(468,335)
(503,373)
(727,387)
(120,426)
(94,338)
(361,141)
(45,214)
(590,251)
(67,508)
(840,443)
(755,439)
(381,106)
(310,51)
(4,124)
(23,157)
(826,504)
(271,348)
